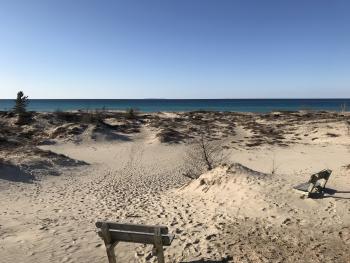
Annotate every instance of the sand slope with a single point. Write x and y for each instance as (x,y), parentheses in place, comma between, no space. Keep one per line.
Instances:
(235,213)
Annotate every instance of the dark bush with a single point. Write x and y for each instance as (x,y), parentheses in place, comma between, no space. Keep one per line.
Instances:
(20,109)
(131,113)
(169,135)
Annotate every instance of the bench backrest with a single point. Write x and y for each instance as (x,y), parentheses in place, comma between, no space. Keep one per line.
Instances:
(133,227)
(136,233)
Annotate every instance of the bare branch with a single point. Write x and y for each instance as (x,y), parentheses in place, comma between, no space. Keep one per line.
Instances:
(203,155)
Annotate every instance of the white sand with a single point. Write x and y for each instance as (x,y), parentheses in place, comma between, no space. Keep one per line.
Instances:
(227,213)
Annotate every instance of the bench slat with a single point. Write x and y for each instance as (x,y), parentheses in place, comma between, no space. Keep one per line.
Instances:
(133,227)
(138,237)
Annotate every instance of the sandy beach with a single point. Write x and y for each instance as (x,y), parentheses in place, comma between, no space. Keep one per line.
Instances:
(62,172)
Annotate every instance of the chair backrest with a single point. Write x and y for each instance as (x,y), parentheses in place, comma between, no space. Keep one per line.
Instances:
(324,174)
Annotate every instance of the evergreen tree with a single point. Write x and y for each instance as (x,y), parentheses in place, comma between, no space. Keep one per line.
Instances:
(20,109)
(21,104)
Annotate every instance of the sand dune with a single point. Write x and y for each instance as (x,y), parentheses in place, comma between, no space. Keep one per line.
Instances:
(239,212)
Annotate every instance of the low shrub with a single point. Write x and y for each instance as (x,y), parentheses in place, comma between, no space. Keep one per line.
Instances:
(131,113)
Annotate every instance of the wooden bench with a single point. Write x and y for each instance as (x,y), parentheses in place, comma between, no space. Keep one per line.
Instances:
(112,233)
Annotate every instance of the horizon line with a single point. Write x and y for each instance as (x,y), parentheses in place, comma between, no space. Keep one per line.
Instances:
(295,98)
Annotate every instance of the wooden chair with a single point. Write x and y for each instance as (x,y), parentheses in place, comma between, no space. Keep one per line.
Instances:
(112,233)
(317,183)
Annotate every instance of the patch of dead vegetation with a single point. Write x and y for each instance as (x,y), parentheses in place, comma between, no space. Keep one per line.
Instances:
(169,135)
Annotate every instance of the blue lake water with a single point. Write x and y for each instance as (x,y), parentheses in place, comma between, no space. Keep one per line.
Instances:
(154,105)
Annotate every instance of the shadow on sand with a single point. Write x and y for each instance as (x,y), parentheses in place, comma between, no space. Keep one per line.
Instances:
(331,193)
(225,260)
(108,135)
(14,173)
(205,261)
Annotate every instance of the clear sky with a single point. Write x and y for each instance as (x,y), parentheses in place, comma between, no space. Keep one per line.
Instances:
(175,48)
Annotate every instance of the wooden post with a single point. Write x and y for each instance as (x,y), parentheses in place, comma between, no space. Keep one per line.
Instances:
(158,245)
(108,243)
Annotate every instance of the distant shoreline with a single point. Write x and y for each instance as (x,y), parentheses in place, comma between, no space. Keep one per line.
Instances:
(183,105)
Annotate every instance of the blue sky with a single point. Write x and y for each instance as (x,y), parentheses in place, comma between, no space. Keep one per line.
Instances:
(175,49)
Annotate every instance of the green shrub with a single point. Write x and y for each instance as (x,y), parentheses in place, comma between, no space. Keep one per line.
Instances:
(20,108)
(131,113)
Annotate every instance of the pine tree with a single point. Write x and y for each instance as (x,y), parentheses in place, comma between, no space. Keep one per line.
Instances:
(21,104)
(20,108)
